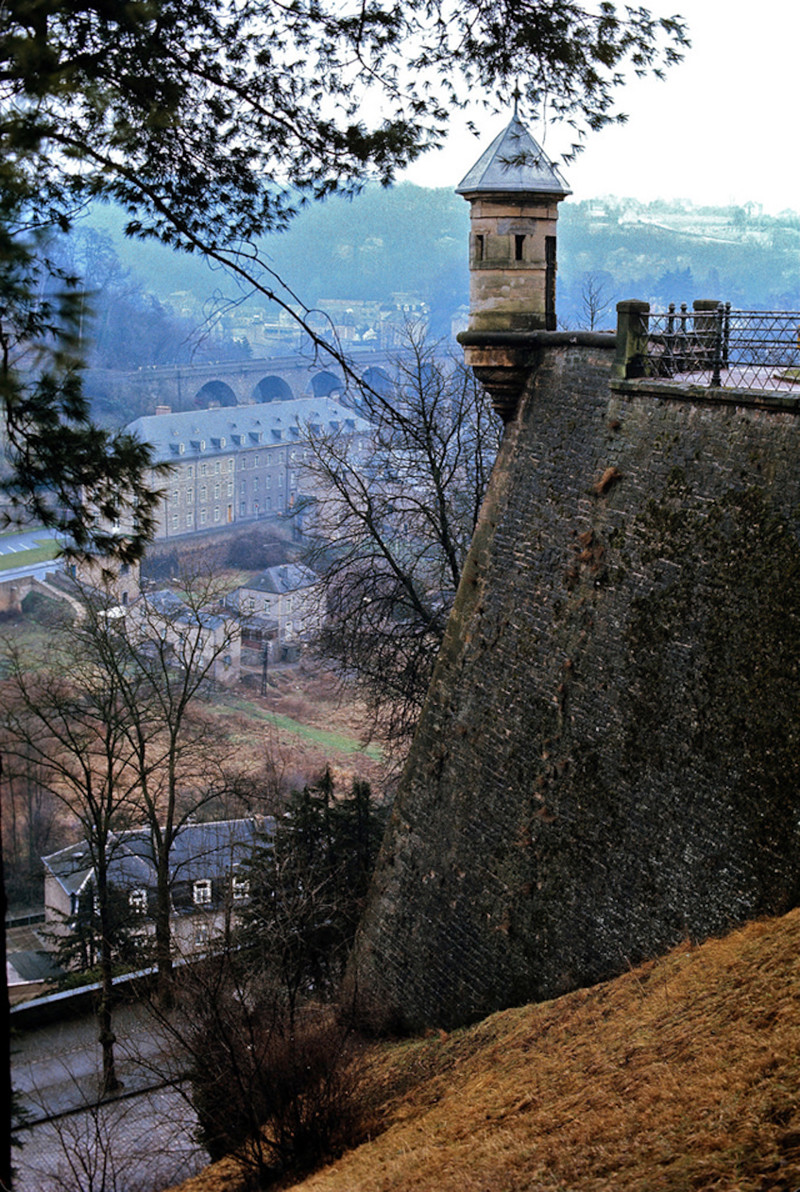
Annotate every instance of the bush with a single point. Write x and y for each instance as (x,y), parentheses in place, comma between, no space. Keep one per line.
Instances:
(277,1090)
(44,610)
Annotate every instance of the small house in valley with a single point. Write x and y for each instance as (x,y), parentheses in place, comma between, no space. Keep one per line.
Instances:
(208,879)
(288,595)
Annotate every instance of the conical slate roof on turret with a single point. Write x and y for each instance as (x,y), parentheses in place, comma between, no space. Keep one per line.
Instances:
(515,164)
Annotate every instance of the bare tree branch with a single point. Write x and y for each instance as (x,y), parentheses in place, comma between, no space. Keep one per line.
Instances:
(394,518)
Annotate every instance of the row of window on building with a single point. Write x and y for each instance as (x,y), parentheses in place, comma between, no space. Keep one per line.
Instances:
(188,493)
(215,516)
(201,893)
(190,505)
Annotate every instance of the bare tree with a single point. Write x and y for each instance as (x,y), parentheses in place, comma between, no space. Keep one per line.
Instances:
(111,717)
(394,517)
(277,1091)
(163,654)
(595,298)
(68,716)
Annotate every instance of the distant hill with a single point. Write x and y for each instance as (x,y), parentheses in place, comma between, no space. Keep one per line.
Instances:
(665,253)
(406,239)
(409,239)
(681,1074)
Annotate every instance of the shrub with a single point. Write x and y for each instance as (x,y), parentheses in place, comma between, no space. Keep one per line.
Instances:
(277,1090)
(256,550)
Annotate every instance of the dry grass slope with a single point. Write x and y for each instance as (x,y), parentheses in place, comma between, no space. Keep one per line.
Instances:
(682,1074)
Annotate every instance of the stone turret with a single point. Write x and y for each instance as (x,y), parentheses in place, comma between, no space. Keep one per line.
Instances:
(514,192)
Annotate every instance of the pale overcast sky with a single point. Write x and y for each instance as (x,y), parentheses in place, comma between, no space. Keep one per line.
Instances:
(723,126)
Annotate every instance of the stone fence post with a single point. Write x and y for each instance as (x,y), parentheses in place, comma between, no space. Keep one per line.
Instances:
(632,330)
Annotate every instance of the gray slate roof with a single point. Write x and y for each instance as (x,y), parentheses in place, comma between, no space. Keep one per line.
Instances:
(199,851)
(286,577)
(514,163)
(72,866)
(34,966)
(168,604)
(200,433)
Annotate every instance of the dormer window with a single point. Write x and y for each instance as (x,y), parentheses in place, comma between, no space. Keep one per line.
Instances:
(137,901)
(201,891)
(241,888)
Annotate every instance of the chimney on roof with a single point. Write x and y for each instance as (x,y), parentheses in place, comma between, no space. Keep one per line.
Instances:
(163,410)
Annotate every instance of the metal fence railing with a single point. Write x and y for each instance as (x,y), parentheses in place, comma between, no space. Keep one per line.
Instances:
(720,347)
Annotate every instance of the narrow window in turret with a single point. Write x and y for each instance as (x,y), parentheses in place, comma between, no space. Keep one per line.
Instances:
(479,243)
(518,243)
(550,283)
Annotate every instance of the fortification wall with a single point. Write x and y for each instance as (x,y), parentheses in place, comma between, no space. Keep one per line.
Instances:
(608,758)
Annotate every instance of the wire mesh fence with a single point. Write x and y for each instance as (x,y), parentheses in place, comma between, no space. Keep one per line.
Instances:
(720,347)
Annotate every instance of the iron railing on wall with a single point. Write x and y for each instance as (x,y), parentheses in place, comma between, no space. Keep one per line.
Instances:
(713,345)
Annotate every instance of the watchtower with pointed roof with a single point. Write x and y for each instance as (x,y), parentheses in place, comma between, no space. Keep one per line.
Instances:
(514,191)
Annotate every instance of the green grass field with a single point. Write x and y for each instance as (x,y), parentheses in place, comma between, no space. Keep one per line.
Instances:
(46,550)
(326,739)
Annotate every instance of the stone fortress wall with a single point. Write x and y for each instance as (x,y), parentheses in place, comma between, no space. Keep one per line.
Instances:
(608,758)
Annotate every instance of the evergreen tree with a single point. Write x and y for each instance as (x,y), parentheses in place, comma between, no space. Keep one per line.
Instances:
(79,948)
(307,887)
(62,469)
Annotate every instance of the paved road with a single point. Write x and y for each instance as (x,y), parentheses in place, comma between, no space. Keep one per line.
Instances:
(139,1145)
(25,540)
(143,1140)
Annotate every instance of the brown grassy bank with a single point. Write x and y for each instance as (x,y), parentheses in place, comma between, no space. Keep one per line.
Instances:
(682,1074)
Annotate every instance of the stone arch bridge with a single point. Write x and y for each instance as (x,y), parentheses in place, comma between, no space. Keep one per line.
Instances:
(238,382)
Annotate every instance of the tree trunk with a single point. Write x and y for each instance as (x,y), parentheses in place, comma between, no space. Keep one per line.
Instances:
(5,1091)
(163,930)
(109,1083)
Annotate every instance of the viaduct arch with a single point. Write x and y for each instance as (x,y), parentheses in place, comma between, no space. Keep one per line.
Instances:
(241,382)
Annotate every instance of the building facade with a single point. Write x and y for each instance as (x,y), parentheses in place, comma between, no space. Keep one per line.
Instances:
(236,464)
(288,595)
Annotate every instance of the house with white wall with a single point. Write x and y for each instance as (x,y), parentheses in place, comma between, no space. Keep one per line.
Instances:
(288,594)
(207,873)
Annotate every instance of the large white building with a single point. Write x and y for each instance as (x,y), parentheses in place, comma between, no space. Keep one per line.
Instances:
(236,464)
